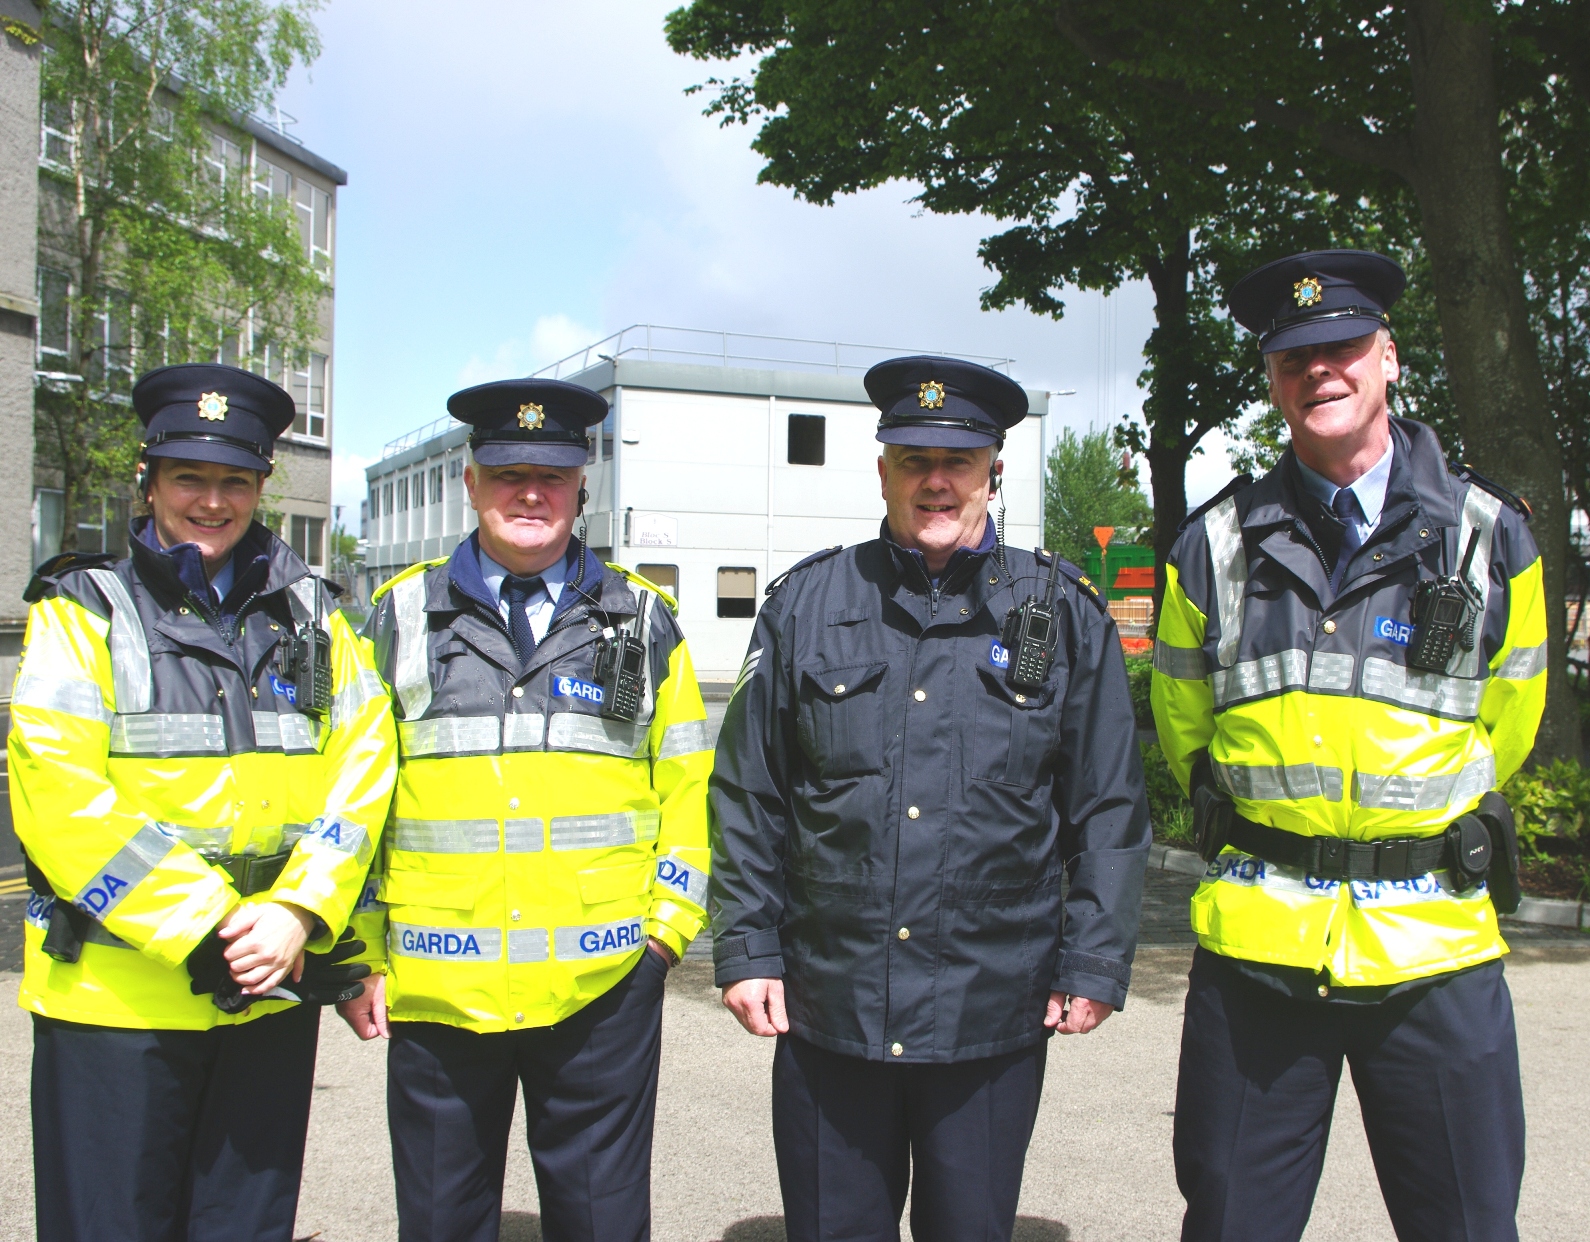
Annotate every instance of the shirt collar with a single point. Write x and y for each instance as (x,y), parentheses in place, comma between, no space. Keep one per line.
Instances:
(1369,487)
(552,577)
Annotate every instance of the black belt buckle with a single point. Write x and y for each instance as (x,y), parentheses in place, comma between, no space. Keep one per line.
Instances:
(1393,862)
(1331,859)
(254,873)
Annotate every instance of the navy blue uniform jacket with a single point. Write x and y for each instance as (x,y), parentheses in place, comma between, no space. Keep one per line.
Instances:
(892,822)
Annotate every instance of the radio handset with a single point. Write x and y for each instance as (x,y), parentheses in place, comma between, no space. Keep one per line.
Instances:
(1029,637)
(620,668)
(309,663)
(1444,613)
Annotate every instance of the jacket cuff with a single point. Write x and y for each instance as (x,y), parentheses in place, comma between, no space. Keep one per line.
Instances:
(662,931)
(756,955)
(1101,979)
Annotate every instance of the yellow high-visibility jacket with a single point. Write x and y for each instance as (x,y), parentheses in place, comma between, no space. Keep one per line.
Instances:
(1314,723)
(144,743)
(535,844)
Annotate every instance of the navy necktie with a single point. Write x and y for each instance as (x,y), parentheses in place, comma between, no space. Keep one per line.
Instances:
(1345,505)
(516,592)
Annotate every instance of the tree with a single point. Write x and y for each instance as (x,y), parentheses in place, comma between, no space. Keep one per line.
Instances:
(1083,488)
(155,246)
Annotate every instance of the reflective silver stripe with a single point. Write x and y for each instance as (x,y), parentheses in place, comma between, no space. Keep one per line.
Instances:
(449,735)
(291,835)
(299,733)
(1480,510)
(523,732)
(72,695)
(598,939)
(1330,671)
(41,906)
(212,842)
(589,832)
(445,836)
(1271,674)
(1521,663)
(1434,693)
(351,699)
(412,676)
(445,944)
(332,832)
(128,867)
(267,732)
(1425,793)
(686,738)
(304,591)
(528,944)
(1278,782)
(1230,562)
(683,880)
(1182,663)
(156,733)
(129,648)
(523,836)
(574,731)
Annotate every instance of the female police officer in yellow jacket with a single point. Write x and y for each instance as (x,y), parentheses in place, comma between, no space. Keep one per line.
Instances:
(548,853)
(195,810)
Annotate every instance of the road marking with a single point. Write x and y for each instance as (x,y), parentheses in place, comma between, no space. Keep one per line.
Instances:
(11,887)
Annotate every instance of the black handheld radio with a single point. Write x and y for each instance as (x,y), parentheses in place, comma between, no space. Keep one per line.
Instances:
(620,668)
(309,663)
(1029,637)
(1444,613)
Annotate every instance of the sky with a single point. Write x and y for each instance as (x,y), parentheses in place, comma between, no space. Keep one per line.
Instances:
(526,178)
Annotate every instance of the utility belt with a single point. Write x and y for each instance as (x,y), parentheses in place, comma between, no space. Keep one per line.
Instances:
(71,927)
(1479,846)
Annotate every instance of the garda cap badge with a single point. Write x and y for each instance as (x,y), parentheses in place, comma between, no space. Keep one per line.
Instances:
(531,416)
(212,405)
(1308,291)
(930,396)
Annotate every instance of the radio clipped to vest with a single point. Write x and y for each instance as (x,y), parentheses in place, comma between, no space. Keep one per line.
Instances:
(620,668)
(308,659)
(1444,613)
(1029,637)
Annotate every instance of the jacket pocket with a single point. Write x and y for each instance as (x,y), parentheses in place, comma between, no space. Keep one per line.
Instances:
(841,718)
(427,888)
(629,880)
(1013,732)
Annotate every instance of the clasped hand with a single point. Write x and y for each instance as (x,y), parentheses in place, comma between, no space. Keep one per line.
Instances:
(266,941)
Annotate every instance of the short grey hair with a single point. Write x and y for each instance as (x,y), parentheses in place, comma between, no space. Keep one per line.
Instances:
(1381,334)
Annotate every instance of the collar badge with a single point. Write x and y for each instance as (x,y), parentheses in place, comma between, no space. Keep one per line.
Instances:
(531,416)
(930,395)
(1308,291)
(212,405)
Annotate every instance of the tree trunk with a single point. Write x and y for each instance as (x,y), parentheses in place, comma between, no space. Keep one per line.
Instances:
(1168,406)
(1487,343)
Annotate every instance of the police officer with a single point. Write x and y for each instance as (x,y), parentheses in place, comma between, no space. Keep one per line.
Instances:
(1350,658)
(902,787)
(195,814)
(548,858)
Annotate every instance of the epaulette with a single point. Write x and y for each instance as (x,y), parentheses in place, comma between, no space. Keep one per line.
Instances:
(49,574)
(419,567)
(646,584)
(1086,587)
(801,564)
(1230,489)
(1467,474)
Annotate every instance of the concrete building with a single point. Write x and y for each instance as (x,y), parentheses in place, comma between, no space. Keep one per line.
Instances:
(723,461)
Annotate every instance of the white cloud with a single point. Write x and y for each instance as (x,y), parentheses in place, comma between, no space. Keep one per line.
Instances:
(348,485)
(551,338)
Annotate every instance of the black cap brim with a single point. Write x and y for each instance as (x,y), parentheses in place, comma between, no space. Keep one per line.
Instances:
(211,451)
(925,435)
(522,453)
(1319,332)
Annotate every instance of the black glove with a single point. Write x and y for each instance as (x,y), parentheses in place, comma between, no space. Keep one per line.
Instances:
(211,975)
(328,978)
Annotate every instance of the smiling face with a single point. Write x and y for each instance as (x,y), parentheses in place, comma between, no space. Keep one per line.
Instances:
(937,498)
(203,502)
(526,512)
(1333,397)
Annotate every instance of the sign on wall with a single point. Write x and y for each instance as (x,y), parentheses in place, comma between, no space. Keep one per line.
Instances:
(655,530)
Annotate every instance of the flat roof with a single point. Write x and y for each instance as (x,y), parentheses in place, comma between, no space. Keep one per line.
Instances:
(294,149)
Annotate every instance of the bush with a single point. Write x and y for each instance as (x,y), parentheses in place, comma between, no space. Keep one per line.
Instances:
(1139,679)
(1550,805)
(1168,808)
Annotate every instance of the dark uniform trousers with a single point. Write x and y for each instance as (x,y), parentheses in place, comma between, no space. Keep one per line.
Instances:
(1436,1070)
(171,1136)
(849,1133)
(590,1094)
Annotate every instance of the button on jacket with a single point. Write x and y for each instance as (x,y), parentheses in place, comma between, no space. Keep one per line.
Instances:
(1315,724)
(535,844)
(893,821)
(149,734)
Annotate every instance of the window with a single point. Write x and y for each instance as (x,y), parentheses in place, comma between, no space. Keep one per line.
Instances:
(736,592)
(224,160)
(665,576)
(607,435)
(435,475)
(403,495)
(271,182)
(309,534)
(55,139)
(417,485)
(386,500)
(455,467)
(313,206)
(808,435)
(309,395)
(110,366)
(55,336)
(375,500)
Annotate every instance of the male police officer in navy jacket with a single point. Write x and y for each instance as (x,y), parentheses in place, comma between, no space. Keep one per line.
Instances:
(898,799)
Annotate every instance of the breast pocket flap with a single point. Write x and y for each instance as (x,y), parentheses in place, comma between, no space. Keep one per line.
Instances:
(838,684)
